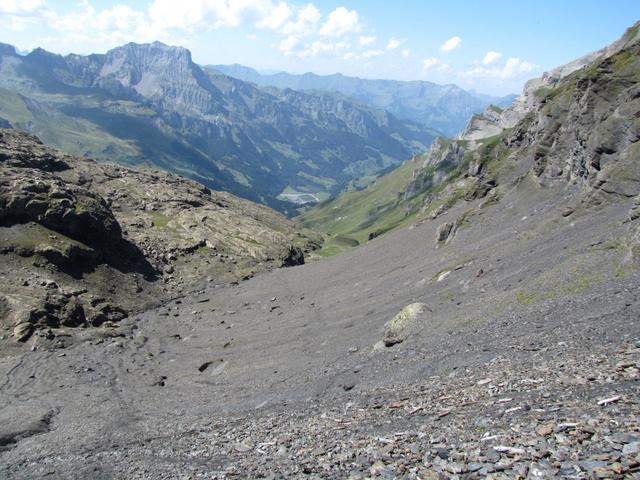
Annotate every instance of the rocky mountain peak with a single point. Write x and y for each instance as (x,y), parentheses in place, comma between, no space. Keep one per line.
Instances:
(6,49)
(163,73)
(147,55)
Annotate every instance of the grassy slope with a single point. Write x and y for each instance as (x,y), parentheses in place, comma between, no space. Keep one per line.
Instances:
(376,209)
(355,214)
(74,135)
(102,129)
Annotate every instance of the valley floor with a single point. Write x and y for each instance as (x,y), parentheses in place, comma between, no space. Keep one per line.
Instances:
(527,365)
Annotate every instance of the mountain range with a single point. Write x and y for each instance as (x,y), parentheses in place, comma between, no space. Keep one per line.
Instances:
(446,108)
(150,104)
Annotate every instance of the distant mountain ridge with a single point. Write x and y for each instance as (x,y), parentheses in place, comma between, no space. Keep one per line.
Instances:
(151,104)
(446,108)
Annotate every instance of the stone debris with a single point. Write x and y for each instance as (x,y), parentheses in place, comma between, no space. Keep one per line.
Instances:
(438,428)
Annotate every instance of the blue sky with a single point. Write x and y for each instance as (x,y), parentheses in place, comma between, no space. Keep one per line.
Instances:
(490,46)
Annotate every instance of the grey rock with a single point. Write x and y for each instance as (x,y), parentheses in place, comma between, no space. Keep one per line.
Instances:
(443,232)
(631,448)
(407,322)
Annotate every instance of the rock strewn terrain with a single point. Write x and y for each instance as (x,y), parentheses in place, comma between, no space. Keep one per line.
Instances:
(550,412)
(524,364)
(84,244)
(495,338)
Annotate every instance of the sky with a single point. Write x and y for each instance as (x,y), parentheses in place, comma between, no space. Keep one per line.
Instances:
(489,46)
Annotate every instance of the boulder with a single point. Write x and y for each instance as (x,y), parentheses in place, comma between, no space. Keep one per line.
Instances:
(443,232)
(293,258)
(407,322)
(22,331)
(29,195)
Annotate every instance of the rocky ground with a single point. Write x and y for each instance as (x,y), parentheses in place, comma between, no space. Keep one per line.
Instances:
(86,244)
(521,360)
(146,333)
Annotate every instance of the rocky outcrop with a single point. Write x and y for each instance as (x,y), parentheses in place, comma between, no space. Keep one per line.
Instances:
(37,195)
(86,244)
(407,322)
(443,232)
(577,124)
(486,124)
(587,128)
(442,157)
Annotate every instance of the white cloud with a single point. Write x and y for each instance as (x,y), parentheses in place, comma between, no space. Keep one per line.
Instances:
(17,7)
(289,44)
(164,20)
(451,44)
(301,30)
(435,64)
(192,15)
(108,27)
(429,63)
(318,48)
(372,53)
(292,46)
(513,68)
(365,41)
(341,22)
(118,18)
(393,44)
(306,22)
(491,57)
(275,17)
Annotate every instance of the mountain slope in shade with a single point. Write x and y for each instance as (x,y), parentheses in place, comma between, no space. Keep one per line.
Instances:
(150,104)
(446,108)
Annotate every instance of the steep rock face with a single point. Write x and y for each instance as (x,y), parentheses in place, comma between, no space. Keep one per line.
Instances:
(578,124)
(442,157)
(586,129)
(166,75)
(494,119)
(84,244)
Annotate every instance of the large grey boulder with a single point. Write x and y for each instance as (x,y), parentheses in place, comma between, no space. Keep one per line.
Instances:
(407,322)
